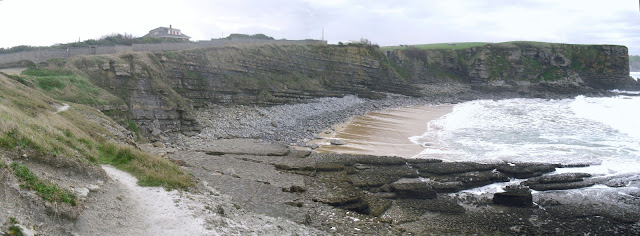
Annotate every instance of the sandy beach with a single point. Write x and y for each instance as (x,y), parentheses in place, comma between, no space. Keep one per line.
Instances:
(383,133)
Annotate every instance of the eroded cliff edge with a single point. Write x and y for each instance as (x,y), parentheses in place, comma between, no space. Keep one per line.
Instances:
(161,89)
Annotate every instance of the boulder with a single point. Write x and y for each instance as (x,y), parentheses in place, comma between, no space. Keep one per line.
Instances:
(377,205)
(514,195)
(337,142)
(413,188)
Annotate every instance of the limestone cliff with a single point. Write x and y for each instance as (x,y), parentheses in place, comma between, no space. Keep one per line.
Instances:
(162,88)
(522,66)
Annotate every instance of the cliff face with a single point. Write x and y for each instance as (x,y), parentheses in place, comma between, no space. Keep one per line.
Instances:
(557,68)
(162,88)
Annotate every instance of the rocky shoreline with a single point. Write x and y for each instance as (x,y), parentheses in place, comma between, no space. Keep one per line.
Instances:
(249,154)
(296,124)
(373,195)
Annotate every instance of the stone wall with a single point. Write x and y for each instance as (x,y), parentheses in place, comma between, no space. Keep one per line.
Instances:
(43,55)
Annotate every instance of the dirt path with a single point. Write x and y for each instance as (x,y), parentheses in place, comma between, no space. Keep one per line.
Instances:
(121,207)
(129,209)
(62,108)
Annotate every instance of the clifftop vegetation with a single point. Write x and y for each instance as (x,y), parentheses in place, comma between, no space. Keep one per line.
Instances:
(113,39)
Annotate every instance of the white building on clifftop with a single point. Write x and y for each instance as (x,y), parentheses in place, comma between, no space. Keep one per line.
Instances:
(170,33)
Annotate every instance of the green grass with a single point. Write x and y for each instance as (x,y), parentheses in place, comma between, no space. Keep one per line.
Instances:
(150,170)
(15,230)
(454,46)
(64,85)
(47,191)
(44,72)
(17,78)
(12,140)
(465,45)
(133,127)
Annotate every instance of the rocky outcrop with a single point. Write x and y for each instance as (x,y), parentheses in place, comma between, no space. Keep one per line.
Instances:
(520,66)
(372,195)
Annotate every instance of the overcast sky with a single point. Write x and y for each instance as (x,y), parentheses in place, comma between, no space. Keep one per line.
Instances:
(46,22)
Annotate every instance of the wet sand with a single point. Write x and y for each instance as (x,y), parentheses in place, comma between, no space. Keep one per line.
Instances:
(383,133)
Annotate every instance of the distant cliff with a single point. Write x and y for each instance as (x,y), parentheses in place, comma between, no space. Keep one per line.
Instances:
(162,88)
(560,68)
(634,63)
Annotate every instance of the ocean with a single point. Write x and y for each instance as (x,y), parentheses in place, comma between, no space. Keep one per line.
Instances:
(603,132)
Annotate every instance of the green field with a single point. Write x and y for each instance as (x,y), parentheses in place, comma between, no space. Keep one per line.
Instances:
(462,45)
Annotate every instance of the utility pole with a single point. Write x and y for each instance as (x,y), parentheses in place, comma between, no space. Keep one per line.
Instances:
(323,33)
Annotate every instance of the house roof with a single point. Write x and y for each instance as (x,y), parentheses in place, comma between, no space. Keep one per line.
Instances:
(163,32)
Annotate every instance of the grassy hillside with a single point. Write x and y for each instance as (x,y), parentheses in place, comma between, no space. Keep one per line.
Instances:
(33,129)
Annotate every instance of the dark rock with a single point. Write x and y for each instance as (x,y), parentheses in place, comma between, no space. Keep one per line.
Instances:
(445,168)
(377,205)
(515,195)
(422,161)
(375,176)
(442,205)
(560,186)
(295,189)
(473,179)
(558,178)
(447,187)
(350,160)
(337,142)
(333,188)
(299,153)
(526,170)
(329,167)
(413,188)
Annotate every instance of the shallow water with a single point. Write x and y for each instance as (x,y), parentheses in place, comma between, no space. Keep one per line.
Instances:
(601,132)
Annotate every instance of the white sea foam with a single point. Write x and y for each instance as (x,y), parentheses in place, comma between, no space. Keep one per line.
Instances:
(596,131)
